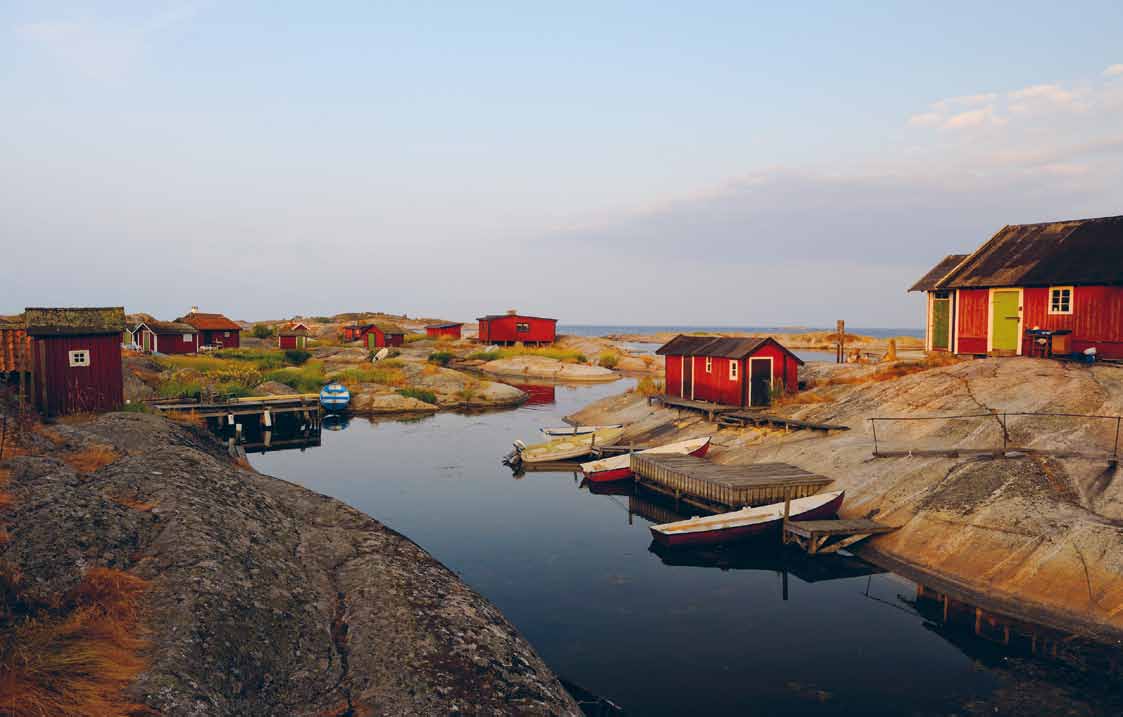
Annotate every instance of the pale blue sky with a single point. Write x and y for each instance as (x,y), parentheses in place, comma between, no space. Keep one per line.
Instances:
(711,163)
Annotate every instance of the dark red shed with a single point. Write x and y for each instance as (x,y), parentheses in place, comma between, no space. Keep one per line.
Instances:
(215,330)
(729,371)
(166,337)
(514,327)
(450,330)
(375,335)
(293,336)
(76,359)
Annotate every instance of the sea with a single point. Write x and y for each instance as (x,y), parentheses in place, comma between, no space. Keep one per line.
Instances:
(611,330)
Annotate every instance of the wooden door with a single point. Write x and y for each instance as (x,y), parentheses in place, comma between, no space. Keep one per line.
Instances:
(687,376)
(941,324)
(1005,321)
(760,381)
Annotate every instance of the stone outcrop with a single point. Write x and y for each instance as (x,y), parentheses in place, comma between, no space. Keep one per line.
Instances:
(266,598)
(542,367)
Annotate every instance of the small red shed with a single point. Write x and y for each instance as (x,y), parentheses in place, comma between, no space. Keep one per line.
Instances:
(76,359)
(1060,277)
(450,330)
(215,330)
(166,337)
(376,335)
(293,336)
(514,327)
(730,371)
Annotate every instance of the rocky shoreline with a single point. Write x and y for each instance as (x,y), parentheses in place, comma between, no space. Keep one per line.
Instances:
(266,598)
(1029,534)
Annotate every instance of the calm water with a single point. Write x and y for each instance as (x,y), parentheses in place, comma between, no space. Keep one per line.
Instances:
(748,631)
(606,330)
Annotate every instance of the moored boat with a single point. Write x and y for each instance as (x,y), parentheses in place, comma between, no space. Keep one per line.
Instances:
(620,467)
(335,397)
(562,449)
(744,523)
(558,431)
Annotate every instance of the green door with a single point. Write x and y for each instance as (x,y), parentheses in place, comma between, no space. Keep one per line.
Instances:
(941,322)
(1004,326)
(372,340)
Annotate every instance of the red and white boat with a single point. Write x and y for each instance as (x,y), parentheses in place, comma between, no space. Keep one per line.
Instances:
(620,467)
(727,527)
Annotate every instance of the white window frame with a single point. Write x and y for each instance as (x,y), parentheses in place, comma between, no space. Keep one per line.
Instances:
(733,369)
(187,338)
(709,364)
(1071,297)
(226,334)
(80,358)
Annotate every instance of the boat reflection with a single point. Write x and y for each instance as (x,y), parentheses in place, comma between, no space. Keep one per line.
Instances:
(540,394)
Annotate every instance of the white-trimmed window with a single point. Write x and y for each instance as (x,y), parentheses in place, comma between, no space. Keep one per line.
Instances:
(226,334)
(80,358)
(1060,300)
(709,364)
(187,338)
(732,370)
(522,328)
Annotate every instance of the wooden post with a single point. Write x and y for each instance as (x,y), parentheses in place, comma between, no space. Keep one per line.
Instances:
(1115,453)
(840,327)
(891,354)
(787,512)
(873,425)
(1005,435)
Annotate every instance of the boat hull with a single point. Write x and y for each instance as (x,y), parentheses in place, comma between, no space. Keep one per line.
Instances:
(625,473)
(732,534)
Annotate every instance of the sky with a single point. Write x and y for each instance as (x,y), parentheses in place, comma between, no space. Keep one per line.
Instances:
(720,163)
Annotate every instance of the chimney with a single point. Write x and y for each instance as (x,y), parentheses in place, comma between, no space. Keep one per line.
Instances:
(512,312)
(194,309)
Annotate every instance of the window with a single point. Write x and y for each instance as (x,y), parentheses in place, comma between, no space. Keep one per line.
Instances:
(80,358)
(187,338)
(1060,300)
(522,328)
(709,364)
(732,370)
(226,333)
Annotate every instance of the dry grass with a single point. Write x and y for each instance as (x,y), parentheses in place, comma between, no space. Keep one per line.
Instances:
(803,398)
(648,386)
(74,654)
(90,460)
(894,371)
(186,418)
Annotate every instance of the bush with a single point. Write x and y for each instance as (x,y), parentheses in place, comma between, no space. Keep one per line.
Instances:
(305,379)
(484,355)
(648,386)
(410,338)
(440,357)
(297,357)
(177,388)
(262,331)
(419,393)
(607,359)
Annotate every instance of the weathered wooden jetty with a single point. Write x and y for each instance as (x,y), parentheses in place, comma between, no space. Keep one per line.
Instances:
(821,537)
(756,418)
(710,409)
(265,406)
(720,488)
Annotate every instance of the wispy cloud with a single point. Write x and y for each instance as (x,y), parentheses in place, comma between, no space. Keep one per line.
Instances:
(984,116)
(1114,71)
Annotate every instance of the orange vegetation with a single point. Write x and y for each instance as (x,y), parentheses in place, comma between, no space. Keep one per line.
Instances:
(186,418)
(88,460)
(134,503)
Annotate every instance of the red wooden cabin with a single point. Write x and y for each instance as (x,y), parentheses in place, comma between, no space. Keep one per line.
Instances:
(166,337)
(513,327)
(451,330)
(729,371)
(215,330)
(377,335)
(1058,276)
(293,336)
(76,359)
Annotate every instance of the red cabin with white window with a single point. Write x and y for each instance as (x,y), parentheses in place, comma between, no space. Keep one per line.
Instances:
(449,330)
(376,335)
(76,359)
(730,371)
(215,330)
(1060,277)
(166,337)
(293,336)
(514,327)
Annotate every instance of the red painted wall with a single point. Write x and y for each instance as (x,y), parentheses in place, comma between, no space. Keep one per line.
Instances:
(974,306)
(214,338)
(1096,318)
(717,387)
(453,331)
(291,342)
(171,343)
(504,330)
(62,389)
(673,380)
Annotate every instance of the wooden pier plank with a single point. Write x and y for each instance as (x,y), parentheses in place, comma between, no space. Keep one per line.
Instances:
(758,418)
(822,537)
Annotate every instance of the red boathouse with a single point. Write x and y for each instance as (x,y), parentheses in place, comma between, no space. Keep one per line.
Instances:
(450,330)
(76,359)
(293,336)
(1061,277)
(729,371)
(215,330)
(166,337)
(513,327)
(376,335)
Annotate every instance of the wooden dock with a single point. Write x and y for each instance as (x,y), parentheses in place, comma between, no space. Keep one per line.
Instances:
(821,537)
(706,407)
(266,406)
(756,418)
(721,488)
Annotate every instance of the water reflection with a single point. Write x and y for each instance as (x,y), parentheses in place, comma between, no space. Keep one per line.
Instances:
(541,393)
(285,432)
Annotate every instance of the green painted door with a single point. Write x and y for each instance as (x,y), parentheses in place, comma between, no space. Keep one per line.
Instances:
(1004,327)
(941,322)
(371,340)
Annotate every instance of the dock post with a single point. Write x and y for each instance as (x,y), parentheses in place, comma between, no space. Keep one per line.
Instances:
(873,425)
(268,418)
(1005,435)
(1115,453)
(787,513)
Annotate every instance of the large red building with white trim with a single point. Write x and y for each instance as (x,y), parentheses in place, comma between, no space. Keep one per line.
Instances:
(729,371)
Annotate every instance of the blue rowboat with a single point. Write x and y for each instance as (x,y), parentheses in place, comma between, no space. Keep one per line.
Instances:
(335,397)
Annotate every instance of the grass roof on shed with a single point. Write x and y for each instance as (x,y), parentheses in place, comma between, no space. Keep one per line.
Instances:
(74,321)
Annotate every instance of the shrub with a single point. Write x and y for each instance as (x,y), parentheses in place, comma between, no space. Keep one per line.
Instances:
(371,373)
(297,357)
(177,388)
(89,460)
(419,393)
(262,331)
(136,407)
(308,378)
(410,338)
(484,355)
(607,359)
(440,357)
(648,386)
